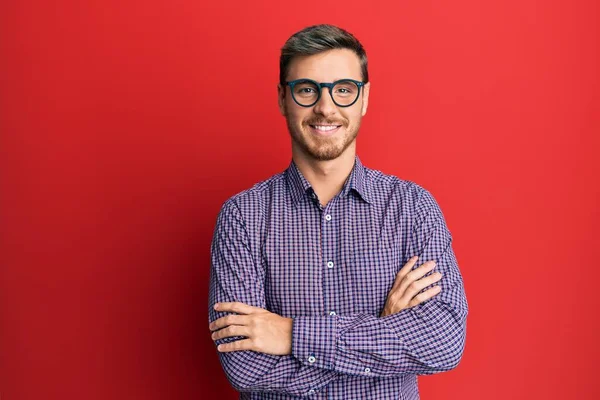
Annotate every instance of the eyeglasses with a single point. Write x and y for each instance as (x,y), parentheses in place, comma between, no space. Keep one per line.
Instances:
(343,92)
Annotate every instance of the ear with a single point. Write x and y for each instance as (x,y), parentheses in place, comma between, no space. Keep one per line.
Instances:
(365,103)
(281,98)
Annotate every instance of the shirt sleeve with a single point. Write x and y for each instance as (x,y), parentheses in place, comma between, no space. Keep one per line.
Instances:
(236,276)
(422,340)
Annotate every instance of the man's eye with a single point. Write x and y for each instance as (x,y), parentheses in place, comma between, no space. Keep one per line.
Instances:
(306,90)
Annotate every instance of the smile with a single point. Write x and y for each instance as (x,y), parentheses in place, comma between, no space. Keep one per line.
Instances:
(325,128)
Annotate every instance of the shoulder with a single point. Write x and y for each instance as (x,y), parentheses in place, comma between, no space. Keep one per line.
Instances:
(382,183)
(250,202)
(412,196)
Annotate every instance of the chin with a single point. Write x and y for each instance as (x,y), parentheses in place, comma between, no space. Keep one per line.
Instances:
(325,156)
(326,152)
(322,148)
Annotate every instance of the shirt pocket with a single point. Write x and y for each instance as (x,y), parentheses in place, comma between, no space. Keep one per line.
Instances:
(374,270)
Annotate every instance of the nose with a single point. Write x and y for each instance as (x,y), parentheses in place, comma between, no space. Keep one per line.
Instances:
(325,106)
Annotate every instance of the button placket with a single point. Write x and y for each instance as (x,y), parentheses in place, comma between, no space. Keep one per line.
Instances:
(330,230)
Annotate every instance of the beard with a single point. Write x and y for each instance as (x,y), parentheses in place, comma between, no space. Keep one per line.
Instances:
(323,148)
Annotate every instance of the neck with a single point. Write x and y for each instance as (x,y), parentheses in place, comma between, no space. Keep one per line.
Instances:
(326,177)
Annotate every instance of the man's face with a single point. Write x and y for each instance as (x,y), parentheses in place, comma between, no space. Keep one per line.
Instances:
(311,127)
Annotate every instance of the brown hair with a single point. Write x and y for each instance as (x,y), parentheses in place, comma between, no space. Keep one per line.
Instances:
(316,39)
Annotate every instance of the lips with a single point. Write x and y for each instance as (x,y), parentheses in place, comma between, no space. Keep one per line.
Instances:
(325,128)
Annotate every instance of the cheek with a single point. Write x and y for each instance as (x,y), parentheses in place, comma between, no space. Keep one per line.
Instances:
(352,116)
(295,115)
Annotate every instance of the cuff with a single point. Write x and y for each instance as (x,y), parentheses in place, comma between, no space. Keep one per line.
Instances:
(313,340)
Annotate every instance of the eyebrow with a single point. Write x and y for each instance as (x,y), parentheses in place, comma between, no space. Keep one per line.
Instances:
(316,80)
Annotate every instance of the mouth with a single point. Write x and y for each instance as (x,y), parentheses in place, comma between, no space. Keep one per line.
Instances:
(325,129)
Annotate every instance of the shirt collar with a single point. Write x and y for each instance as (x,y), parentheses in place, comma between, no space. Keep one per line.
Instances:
(357,181)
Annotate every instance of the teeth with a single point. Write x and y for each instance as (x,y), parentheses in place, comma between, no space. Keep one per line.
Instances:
(325,128)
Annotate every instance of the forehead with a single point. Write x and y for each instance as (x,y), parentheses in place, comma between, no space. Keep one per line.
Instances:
(327,66)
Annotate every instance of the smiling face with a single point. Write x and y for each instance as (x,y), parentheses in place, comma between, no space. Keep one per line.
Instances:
(324,131)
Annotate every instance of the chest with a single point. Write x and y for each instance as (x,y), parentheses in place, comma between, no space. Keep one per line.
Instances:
(340,259)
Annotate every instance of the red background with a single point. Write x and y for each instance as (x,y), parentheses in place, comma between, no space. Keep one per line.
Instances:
(125,125)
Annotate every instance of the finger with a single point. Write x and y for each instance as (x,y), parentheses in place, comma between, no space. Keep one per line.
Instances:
(400,290)
(244,344)
(426,295)
(405,270)
(416,274)
(237,307)
(416,286)
(231,331)
(227,320)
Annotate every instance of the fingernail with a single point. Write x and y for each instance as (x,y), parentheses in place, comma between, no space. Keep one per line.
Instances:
(216,306)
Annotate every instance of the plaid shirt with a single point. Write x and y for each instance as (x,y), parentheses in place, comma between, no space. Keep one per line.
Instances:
(330,269)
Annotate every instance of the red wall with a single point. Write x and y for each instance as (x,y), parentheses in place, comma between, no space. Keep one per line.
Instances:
(124,127)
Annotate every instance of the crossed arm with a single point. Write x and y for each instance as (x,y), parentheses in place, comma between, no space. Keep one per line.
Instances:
(263,351)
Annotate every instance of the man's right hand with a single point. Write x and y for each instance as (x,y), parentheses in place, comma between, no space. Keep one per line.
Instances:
(408,283)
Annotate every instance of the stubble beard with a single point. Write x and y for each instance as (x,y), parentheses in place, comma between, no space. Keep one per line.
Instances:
(322,148)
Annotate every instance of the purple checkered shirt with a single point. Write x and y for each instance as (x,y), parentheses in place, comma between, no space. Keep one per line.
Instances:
(330,269)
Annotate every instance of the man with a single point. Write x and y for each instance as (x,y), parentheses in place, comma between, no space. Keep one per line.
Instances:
(322,277)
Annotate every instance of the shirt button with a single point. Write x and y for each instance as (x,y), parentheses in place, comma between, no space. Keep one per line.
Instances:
(328,217)
(367,370)
(331,312)
(330,264)
(312,359)
(311,391)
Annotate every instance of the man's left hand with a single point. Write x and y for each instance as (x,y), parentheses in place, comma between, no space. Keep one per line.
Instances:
(265,332)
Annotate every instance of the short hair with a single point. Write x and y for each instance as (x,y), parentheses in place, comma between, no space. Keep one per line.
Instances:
(317,39)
